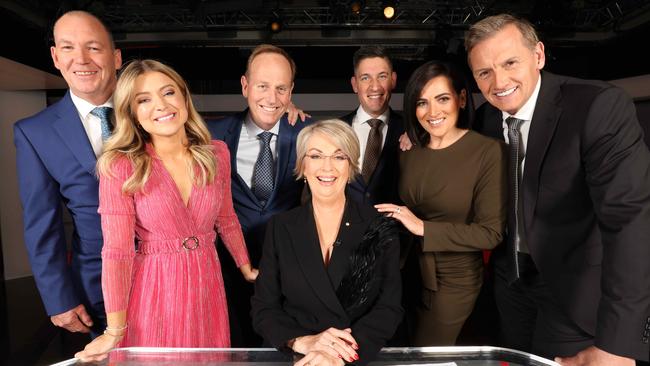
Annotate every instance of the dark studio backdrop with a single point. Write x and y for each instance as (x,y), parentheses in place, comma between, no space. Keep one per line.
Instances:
(208,43)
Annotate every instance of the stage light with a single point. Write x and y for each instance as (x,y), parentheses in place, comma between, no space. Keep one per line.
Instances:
(356,6)
(275,24)
(389,8)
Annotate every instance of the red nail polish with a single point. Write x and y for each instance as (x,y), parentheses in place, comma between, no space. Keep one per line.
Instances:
(356,357)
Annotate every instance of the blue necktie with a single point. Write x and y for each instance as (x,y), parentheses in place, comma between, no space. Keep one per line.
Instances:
(104,115)
(264,170)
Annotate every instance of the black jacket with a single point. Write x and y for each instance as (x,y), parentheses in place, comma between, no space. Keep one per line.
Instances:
(296,295)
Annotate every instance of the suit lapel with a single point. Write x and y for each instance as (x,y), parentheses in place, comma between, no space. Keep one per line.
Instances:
(350,233)
(285,147)
(232,140)
(390,145)
(349,117)
(542,128)
(71,131)
(304,240)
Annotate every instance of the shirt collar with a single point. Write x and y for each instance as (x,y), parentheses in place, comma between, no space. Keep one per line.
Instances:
(84,107)
(363,117)
(253,129)
(526,111)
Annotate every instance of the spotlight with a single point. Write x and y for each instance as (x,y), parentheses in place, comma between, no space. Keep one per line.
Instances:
(389,8)
(275,24)
(356,6)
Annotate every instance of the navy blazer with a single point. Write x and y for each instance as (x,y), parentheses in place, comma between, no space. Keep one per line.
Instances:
(56,167)
(296,295)
(586,208)
(252,215)
(382,187)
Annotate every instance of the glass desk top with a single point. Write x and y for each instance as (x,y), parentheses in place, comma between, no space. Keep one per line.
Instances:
(442,356)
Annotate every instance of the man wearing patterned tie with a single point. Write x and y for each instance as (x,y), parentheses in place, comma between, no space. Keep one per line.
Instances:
(571,281)
(56,152)
(377,126)
(262,146)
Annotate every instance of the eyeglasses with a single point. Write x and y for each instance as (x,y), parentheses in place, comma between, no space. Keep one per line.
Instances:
(335,158)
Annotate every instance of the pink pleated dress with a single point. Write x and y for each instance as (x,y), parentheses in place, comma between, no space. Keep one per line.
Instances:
(171,286)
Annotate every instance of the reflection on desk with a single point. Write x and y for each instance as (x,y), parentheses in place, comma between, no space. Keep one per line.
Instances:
(443,356)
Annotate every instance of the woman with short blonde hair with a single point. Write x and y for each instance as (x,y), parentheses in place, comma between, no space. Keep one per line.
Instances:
(329,284)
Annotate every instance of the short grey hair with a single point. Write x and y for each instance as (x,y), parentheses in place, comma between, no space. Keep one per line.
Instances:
(487,27)
(341,134)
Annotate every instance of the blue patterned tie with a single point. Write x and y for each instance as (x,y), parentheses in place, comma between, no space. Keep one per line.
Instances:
(104,115)
(264,170)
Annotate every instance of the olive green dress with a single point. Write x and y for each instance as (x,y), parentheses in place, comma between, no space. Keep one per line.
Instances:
(460,194)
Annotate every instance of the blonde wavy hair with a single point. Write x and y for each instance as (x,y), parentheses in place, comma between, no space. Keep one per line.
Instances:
(129,139)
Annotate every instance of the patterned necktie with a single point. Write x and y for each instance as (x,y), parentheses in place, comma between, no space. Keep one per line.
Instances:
(514,194)
(264,170)
(373,149)
(104,115)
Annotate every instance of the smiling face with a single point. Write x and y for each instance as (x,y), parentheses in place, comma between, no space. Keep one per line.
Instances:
(84,55)
(267,88)
(159,106)
(373,81)
(437,109)
(506,69)
(326,168)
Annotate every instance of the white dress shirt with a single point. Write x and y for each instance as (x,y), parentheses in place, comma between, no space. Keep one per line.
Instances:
(525,113)
(362,129)
(92,124)
(249,148)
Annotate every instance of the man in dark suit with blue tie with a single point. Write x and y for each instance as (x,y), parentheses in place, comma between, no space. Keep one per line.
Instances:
(56,152)
(377,126)
(262,148)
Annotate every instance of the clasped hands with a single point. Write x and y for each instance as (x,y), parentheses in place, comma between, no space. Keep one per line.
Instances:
(332,347)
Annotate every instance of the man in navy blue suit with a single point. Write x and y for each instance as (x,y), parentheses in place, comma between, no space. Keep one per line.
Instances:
(56,152)
(262,146)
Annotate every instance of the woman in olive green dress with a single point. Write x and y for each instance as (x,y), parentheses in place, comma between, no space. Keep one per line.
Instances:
(453,185)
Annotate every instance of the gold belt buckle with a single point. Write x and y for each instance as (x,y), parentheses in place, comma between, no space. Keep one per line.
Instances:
(190,239)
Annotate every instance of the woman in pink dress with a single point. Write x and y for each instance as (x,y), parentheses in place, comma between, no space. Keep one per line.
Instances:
(166,186)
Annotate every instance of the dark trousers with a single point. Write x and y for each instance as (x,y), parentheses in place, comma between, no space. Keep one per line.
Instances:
(530,316)
(238,297)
